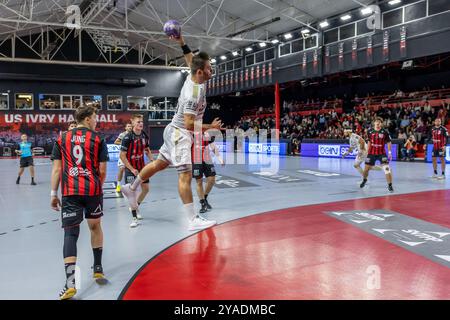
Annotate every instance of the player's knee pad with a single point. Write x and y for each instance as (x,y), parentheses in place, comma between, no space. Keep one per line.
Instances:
(70,241)
(386,169)
(184,168)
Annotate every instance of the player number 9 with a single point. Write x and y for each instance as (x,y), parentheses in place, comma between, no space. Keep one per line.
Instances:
(78,154)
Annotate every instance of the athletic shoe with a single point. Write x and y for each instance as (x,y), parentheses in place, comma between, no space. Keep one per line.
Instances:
(363,183)
(33,183)
(118,188)
(390,188)
(199,223)
(134,223)
(208,206)
(67,293)
(434,176)
(98,275)
(441,177)
(204,207)
(131,196)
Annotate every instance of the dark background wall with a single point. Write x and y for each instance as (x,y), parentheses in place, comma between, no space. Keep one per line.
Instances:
(86,81)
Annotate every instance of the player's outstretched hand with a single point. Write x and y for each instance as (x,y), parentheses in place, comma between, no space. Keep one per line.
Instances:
(55,204)
(217,124)
(180,39)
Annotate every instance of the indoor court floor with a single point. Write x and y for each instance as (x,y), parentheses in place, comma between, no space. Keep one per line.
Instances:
(307,232)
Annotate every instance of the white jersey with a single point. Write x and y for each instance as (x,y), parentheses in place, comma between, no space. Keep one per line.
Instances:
(192,100)
(354,142)
(122,135)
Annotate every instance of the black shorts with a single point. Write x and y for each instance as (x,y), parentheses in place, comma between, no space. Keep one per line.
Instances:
(26,162)
(75,208)
(203,169)
(372,159)
(438,153)
(129,177)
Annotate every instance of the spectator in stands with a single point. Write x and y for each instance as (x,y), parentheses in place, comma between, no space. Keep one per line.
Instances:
(409,149)
(404,122)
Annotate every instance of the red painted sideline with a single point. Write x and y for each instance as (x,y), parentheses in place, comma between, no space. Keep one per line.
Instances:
(298,253)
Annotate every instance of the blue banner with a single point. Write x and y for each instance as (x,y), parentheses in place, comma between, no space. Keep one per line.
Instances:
(272,148)
(430,151)
(334,150)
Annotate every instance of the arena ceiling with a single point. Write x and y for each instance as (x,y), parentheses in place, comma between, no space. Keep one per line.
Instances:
(215,26)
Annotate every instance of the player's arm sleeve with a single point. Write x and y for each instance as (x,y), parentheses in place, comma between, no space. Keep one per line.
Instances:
(125,143)
(103,152)
(56,152)
(388,137)
(190,106)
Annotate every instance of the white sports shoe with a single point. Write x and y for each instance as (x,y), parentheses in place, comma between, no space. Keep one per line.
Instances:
(131,196)
(434,176)
(441,177)
(199,223)
(134,223)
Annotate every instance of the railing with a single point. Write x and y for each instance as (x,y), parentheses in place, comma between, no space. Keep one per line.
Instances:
(299,108)
(433,97)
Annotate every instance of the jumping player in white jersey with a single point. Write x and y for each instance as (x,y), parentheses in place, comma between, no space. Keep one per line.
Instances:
(357,143)
(178,138)
(120,164)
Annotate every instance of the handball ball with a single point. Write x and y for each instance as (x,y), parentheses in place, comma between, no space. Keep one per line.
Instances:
(172,28)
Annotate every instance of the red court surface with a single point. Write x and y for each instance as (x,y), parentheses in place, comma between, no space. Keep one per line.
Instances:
(299,253)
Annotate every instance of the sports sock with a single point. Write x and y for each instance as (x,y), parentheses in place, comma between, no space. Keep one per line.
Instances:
(137,182)
(189,210)
(97,256)
(70,275)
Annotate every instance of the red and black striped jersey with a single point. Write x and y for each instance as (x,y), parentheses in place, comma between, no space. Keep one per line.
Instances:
(134,145)
(378,140)
(200,149)
(439,135)
(80,150)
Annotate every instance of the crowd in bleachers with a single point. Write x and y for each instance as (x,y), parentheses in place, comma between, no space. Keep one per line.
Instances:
(410,116)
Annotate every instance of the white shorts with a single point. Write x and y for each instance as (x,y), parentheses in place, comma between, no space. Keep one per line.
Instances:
(176,149)
(360,158)
(120,164)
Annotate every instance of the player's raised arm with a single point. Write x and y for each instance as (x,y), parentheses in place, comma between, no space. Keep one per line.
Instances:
(188,55)
(173,30)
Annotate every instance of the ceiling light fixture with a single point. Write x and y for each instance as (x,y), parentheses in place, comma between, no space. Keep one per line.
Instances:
(324,24)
